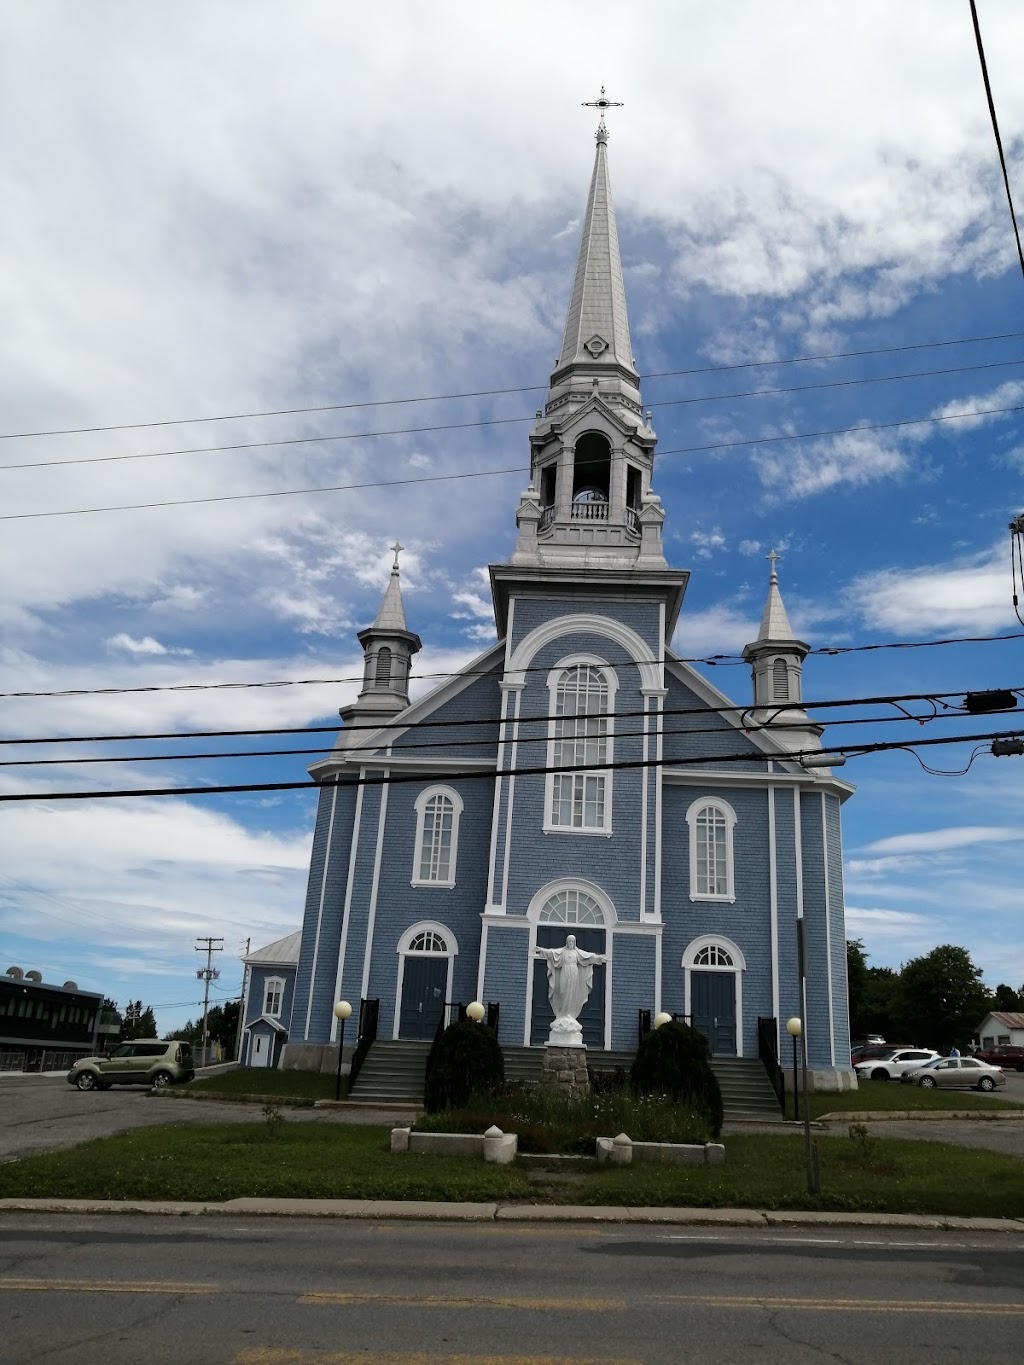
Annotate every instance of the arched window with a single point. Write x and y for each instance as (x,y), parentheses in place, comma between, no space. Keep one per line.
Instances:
(383,670)
(714,955)
(437,837)
(428,942)
(780,681)
(571,907)
(711,823)
(582,697)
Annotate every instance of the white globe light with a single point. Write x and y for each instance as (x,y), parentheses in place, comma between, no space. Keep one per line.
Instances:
(475,1011)
(662,1018)
(342,1010)
(794,1027)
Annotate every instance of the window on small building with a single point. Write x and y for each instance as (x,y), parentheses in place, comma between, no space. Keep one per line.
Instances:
(582,728)
(437,837)
(273,998)
(711,825)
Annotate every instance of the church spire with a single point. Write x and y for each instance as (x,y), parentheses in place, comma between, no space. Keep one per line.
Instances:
(590,502)
(776,660)
(388,647)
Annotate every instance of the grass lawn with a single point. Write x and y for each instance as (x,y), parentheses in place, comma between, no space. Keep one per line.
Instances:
(264,1083)
(283,1159)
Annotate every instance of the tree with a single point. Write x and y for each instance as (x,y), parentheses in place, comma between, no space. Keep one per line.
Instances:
(139,1021)
(872,993)
(1006,998)
(941,998)
(857,984)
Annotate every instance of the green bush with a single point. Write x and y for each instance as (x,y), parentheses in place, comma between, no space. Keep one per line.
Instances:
(466,1060)
(674,1061)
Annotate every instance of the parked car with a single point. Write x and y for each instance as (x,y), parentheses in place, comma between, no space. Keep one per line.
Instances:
(1005,1055)
(866,1052)
(146,1061)
(964,1073)
(869,1040)
(891,1067)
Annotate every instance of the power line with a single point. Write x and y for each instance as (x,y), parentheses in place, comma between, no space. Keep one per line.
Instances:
(750,727)
(374,727)
(447,775)
(509,421)
(995,130)
(497,393)
(516,469)
(711,660)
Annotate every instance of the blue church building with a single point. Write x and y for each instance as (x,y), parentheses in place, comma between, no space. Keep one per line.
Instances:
(577,777)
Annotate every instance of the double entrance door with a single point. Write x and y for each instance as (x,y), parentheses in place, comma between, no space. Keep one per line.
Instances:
(713,1010)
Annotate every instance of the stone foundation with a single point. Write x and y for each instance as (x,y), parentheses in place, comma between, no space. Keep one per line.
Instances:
(322,1057)
(825,1080)
(565,1071)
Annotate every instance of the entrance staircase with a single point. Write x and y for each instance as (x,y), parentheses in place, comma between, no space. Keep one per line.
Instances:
(394,1073)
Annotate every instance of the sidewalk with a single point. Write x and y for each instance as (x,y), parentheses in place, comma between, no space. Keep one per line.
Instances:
(492,1212)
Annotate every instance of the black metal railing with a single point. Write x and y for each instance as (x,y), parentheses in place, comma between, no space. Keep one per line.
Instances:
(493,1012)
(369,1014)
(768,1051)
(643,1025)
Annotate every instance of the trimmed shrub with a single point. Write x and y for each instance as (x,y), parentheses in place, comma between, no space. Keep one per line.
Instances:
(465,1061)
(675,1061)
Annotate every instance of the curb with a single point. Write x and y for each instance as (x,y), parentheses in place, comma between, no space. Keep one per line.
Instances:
(927,1115)
(423,1212)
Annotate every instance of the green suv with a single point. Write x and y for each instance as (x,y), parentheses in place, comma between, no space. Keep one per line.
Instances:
(146,1061)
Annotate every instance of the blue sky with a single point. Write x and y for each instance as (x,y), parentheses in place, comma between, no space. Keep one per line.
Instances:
(326,206)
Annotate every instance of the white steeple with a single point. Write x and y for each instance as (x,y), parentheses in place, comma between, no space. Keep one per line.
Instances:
(776,658)
(388,647)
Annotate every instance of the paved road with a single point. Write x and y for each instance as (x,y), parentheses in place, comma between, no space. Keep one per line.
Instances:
(74,1291)
(43,1113)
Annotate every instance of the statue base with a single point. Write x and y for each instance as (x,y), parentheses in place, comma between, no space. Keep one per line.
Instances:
(565,1070)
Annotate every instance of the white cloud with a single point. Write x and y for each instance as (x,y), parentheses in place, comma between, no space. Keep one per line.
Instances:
(707,542)
(855,458)
(147,645)
(970,596)
(941,840)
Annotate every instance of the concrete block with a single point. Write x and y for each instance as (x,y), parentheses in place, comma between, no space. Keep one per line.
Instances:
(400,1139)
(714,1154)
(500,1147)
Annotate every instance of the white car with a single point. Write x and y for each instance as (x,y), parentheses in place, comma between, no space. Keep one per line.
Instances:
(892,1067)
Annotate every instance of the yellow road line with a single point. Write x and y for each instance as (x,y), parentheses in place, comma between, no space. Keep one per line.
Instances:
(572,1305)
(269,1355)
(846,1305)
(16,1286)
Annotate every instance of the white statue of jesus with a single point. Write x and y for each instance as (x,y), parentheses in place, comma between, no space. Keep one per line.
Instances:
(570,980)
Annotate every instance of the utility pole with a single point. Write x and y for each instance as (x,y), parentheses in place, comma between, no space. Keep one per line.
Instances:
(241,1004)
(206,975)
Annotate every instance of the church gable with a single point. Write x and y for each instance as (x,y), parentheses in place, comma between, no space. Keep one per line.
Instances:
(701,723)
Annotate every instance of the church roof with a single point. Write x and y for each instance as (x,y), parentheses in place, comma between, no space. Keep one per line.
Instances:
(281,953)
(596,327)
(774,621)
(391,615)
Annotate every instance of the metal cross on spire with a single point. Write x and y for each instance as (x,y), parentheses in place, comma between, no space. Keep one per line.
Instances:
(398,550)
(772,557)
(602,103)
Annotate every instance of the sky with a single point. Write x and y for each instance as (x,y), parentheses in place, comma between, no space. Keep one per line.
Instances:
(214,210)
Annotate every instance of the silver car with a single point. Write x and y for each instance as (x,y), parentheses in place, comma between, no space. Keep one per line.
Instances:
(955,1073)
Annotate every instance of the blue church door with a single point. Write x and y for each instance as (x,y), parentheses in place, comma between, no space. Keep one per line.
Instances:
(423,987)
(592,1016)
(713,1010)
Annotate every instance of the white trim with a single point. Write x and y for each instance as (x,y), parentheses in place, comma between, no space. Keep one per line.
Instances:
(645,754)
(420,805)
(320,909)
(729,815)
(828,934)
(773,894)
(427,926)
(611,682)
(584,622)
(496,808)
(481,970)
(658,788)
(357,822)
(736,971)
(371,918)
(506,856)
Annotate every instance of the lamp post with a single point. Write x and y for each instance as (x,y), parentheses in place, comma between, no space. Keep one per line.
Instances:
(475,1011)
(794,1027)
(342,1011)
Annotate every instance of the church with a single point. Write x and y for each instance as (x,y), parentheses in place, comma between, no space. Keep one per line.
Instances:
(576,778)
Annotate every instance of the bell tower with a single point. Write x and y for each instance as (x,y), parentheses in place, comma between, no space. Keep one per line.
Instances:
(388,647)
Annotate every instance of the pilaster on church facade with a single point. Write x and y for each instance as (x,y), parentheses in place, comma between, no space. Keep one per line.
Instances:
(597,785)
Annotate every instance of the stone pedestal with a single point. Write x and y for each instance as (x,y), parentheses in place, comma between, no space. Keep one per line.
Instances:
(565,1070)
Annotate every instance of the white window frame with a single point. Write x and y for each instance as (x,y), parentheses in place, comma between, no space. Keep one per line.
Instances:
(611,682)
(275,985)
(693,814)
(422,801)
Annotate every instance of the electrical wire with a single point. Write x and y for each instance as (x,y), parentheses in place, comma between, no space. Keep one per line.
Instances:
(712,660)
(995,130)
(397,723)
(515,469)
(497,393)
(471,775)
(506,421)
